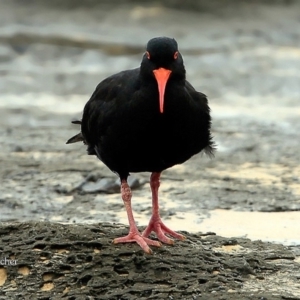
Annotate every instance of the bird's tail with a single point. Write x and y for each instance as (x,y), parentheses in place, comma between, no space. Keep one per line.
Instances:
(211,148)
(78,137)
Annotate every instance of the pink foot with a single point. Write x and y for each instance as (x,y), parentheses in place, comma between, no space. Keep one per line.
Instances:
(135,236)
(155,223)
(161,229)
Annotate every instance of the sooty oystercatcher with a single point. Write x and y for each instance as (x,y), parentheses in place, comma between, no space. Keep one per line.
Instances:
(147,119)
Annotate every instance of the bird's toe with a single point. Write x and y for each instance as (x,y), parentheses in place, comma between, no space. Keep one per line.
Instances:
(161,230)
(143,242)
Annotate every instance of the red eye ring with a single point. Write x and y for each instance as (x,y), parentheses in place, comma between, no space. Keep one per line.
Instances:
(176,55)
(147,54)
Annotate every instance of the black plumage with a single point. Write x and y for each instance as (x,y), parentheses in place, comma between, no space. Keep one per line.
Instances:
(149,118)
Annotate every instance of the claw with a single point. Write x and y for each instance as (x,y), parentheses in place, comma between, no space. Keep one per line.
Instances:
(138,238)
(161,229)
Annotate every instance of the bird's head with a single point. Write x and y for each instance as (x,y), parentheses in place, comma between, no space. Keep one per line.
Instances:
(162,60)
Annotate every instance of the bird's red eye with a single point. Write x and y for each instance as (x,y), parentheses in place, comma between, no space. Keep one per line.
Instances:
(176,55)
(148,54)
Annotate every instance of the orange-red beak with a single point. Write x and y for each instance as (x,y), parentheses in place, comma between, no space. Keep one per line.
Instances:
(161,75)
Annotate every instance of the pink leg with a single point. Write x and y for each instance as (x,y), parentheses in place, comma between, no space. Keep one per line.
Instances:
(155,223)
(134,234)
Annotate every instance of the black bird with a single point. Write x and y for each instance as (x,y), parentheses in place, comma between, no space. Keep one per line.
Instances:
(147,119)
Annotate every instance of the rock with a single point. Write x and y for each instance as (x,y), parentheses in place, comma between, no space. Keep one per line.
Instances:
(107,185)
(104,185)
(79,261)
(132,181)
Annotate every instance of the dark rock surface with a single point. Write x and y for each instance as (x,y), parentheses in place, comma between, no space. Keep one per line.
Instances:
(55,261)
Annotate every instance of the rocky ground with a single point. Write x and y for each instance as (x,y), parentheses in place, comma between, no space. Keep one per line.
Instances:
(245,58)
(72,262)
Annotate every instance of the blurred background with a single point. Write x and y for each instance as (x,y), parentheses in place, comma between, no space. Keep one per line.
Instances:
(244,55)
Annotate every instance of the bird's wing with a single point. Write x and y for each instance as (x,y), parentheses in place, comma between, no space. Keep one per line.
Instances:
(101,110)
(199,99)
(97,110)
(201,104)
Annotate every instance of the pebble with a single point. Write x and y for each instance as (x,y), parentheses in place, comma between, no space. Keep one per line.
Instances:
(109,185)
(106,185)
